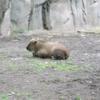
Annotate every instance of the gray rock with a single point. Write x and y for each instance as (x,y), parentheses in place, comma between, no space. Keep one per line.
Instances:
(38,2)
(6,24)
(4,5)
(35,21)
(49,14)
(61,15)
(20,12)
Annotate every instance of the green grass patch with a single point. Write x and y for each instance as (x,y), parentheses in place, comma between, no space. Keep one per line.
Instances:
(56,64)
(3,96)
(78,98)
(14,64)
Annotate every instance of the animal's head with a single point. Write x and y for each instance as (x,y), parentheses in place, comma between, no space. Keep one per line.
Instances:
(34,45)
(31,45)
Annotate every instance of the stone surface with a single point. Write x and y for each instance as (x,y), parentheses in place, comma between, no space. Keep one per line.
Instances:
(20,12)
(36,15)
(4,17)
(50,14)
(60,14)
(6,24)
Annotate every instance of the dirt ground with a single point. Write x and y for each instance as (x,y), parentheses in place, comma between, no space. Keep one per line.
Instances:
(20,79)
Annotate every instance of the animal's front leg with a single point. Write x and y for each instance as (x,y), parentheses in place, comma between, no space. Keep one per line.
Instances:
(34,54)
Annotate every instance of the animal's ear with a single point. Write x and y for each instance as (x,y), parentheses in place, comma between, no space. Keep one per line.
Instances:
(35,42)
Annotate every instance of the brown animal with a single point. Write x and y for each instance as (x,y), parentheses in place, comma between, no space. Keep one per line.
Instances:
(46,49)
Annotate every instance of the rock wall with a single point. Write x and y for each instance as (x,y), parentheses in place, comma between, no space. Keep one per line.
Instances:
(22,15)
(4,17)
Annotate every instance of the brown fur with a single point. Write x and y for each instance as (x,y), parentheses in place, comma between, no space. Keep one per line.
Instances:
(45,49)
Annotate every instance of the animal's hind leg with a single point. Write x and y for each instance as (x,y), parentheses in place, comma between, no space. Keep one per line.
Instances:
(58,55)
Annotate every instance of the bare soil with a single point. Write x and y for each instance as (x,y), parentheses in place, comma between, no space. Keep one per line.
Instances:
(20,80)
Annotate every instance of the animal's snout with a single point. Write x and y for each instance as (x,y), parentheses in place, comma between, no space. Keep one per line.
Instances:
(27,48)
